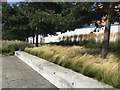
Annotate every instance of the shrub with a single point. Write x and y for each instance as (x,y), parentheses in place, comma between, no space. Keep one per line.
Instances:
(114,46)
(9,47)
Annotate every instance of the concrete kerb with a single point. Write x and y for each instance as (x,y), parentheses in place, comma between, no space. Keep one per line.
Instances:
(57,75)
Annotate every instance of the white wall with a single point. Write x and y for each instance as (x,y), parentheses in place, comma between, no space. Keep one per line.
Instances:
(86,30)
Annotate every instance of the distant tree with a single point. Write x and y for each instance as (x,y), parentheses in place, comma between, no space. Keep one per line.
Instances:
(32,7)
(45,23)
(15,23)
(7,12)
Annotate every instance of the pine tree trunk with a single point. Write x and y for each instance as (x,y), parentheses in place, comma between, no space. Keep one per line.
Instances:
(27,39)
(33,39)
(105,45)
(36,44)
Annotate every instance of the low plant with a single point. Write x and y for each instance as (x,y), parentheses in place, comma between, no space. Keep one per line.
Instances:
(82,60)
(89,44)
(9,47)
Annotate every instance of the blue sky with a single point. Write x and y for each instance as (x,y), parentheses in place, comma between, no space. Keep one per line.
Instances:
(11,3)
(14,1)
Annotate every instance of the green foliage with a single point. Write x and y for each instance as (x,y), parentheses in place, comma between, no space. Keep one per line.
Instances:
(60,17)
(14,22)
(41,20)
(88,44)
(25,17)
(113,46)
(9,47)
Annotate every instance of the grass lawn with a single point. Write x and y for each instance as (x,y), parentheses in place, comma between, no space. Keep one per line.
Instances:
(83,60)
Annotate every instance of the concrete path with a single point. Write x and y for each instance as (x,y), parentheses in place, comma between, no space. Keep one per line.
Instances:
(17,74)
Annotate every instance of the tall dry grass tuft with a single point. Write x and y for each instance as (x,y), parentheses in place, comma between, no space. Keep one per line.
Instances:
(81,60)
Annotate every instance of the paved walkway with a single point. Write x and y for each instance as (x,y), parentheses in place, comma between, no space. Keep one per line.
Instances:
(17,74)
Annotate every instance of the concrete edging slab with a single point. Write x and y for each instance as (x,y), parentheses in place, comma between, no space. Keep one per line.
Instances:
(59,76)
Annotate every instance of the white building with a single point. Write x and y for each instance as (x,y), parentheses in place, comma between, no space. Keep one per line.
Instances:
(115,30)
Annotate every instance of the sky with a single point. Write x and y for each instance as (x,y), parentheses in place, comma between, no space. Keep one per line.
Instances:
(11,3)
(14,1)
